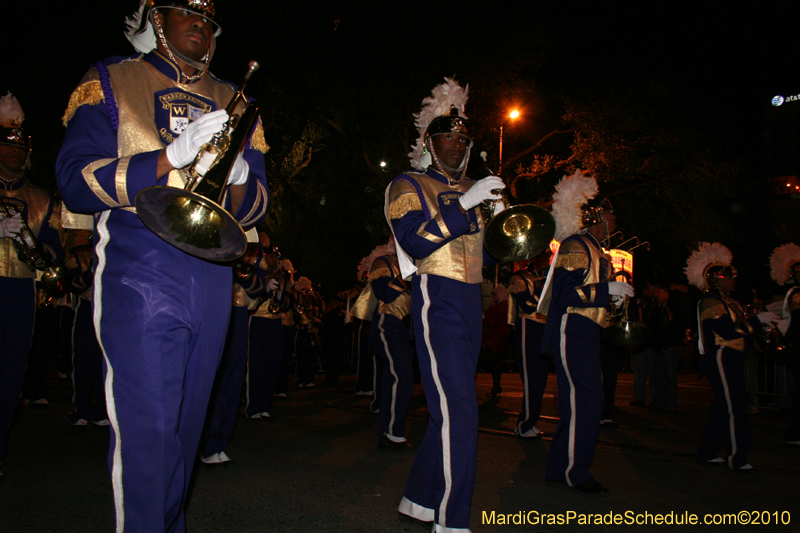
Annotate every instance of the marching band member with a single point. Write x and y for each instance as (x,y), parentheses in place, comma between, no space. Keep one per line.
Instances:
(161,314)
(722,329)
(575,298)
(392,345)
(23,207)
(525,287)
(433,213)
(265,351)
(785,266)
(223,406)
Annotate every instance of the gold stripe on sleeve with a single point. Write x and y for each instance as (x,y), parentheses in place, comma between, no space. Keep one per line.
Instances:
(94,185)
(121,180)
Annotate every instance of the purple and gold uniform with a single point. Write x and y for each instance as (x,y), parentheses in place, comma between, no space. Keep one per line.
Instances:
(723,331)
(42,215)
(393,349)
(576,314)
(265,352)
(446,245)
(160,314)
(224,404)
(526,288)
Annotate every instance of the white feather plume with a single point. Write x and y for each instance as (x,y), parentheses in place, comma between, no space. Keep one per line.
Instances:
(782,258)
(144,41)
(366,264)
(11,114)
(706,255)
(443,97)
(571,193)
(302,284)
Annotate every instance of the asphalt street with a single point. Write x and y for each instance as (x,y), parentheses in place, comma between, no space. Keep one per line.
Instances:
(314,466)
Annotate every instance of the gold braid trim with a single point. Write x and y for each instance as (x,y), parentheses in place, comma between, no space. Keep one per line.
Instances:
(572,261)
(257,141)
(403,204)
(379,272)
(88,93)
(712,309)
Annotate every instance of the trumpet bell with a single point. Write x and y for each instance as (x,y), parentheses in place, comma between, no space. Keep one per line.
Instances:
(519,233)
(191,222)
(53,275)
(627,333)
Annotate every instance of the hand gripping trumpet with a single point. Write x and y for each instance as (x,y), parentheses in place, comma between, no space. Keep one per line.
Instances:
(30,251)
(193,219)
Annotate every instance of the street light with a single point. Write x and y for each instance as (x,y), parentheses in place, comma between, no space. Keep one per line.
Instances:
(513,115)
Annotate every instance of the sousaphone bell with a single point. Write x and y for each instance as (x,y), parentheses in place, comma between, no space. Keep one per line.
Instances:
(193,219)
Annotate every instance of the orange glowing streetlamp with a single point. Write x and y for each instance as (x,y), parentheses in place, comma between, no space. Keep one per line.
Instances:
(513,115)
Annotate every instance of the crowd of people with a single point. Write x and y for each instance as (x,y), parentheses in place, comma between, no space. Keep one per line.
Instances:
(159,354)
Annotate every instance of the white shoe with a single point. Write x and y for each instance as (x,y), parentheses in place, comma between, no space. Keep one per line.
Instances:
(261,415)
(101,423)
(716,460)
(280,395)
(81,422)
(40,401)
(310,385)
(212,459)
(223,457)
(606,421)
(530,434)
(256,416)
(363,393)
(793,442)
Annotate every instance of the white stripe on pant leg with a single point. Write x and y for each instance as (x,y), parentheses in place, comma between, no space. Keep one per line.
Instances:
(731,421)
(572,401)
(97,296)
(527,394)
(393,404)
(74,321)
(247,373)
(446,459)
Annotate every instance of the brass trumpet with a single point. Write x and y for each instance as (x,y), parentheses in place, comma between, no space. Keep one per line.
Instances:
(29,251)
(517,233)
(193,219)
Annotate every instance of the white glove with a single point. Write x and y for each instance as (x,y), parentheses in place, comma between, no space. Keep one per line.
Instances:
(768,317)
(239,172)
(272,285)
(10,226)
(619,288)
(617,301)
(482,190)
(184,149)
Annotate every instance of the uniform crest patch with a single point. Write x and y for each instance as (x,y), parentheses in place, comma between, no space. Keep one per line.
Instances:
(175,109)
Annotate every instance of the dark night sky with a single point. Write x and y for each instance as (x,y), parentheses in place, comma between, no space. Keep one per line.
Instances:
(721,64)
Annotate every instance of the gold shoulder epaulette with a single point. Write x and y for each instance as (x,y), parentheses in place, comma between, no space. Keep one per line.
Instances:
(711,308)
(89,92)
(571,255)
(516,284)
(257,141)
(403,198)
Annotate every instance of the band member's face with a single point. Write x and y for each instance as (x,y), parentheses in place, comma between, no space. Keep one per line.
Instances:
(13,157)
(450,148)
(189,33)
(727,284)
(272,260)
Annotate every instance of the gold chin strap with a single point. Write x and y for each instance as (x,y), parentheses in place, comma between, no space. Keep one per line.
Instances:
(202,67)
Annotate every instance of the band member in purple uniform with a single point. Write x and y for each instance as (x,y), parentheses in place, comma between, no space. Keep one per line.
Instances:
(574,298)
(161,315)
(434,216)
(26,212)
